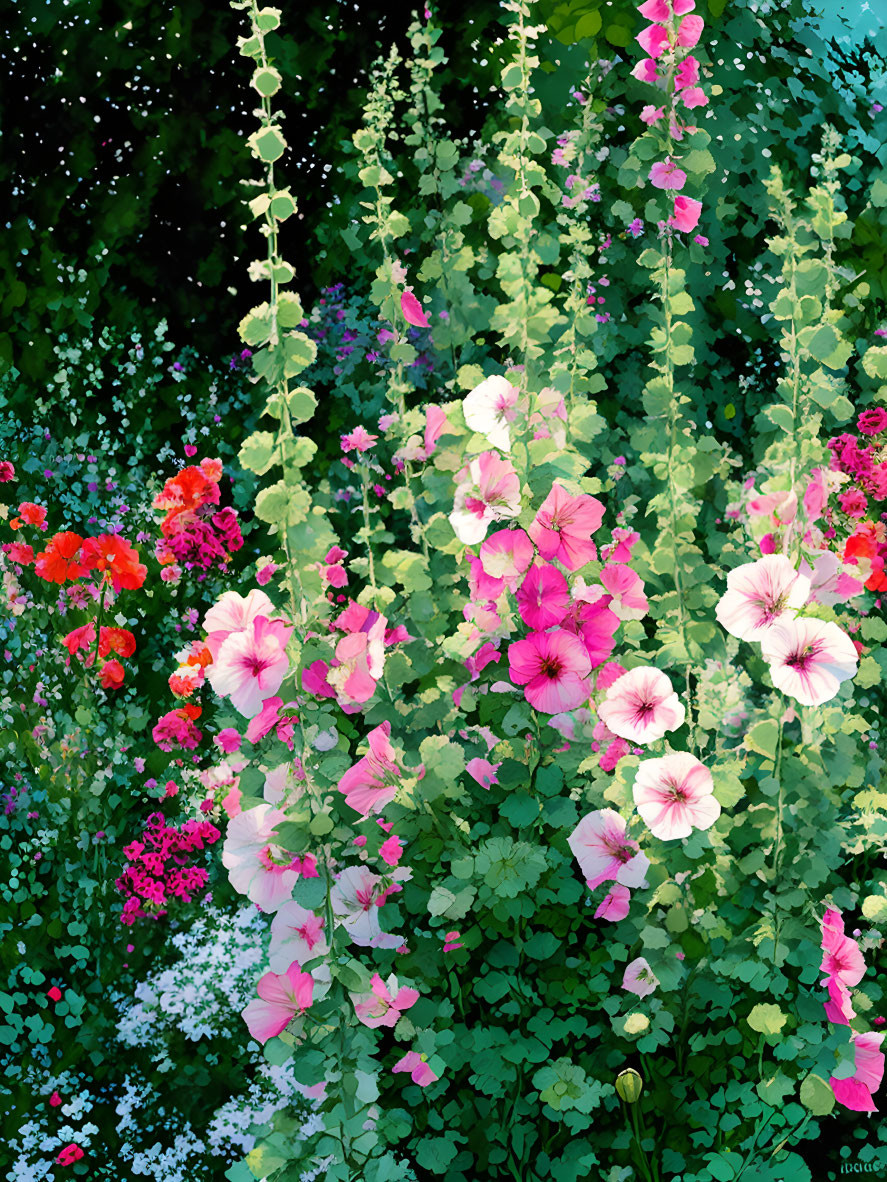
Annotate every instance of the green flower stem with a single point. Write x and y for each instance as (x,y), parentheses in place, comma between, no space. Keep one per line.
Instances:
(365,489)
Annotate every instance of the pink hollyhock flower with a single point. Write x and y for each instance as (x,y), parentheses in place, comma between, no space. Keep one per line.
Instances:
(506,554)
(689,31)
(809,659)
(296,934)
(435,425)
(674,795)
(760,594)
(373,781)
(451,941)
(604,852)
(69,1155)
(257,866)
(829,583)
(639,978)
(679,7)
(265,573)
(645,70)
(488,490)
(655,10)
(694,96)
(270,718)
(356,897)
(250,665)
(419,1070)
(839,1008)
(853,502)
(281,997)
(228,740)
(543,598)
(360,659)
(872,421)
(816,494)
(641,705)
(563,526)
(554,668)
(687,73)
(391,850)
(490,408)
(54,994)
(481,586)
(234,613)
(614,905)
(653,40)
(685,216)
(55,1099)
(856,1093)
(385,1004)
(667,175)
(627,590)
(596,627)
(651,114)
(412,309)
(483,771)
(358,440)
(615,751)
(842,957)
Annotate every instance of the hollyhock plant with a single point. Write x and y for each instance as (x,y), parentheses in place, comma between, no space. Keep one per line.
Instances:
(281,997)
(176,729)
(641,705)
(842,957)
(604,851)
(674,795)
(491,408)
(374,780)
(488,491)
(563,526)
(626,589)
(257,865)
(385,1003)
(639,978)
(759,594)
(595,625)
(809,659)
(251,665)
(234,613)
(839,1008)
(543,597)
(553,667)
(356,898)
(856,1092)
(685,215)
(296,934)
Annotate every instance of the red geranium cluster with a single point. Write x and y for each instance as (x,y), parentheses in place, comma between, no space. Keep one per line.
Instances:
(111,640)
(158,867)
(66,557)
(196,532)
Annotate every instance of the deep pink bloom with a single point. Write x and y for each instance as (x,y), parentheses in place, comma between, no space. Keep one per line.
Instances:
(655,10)
(359,440)
(596,625)
(639,978)
(685,216)
(689,31)
(694,96)
(679,7)
(674,795)
(853,502)
(506,554)
(7,472)
(554,668)
(816,494)
(373,781)
(391,850)
(385,1003)
(626,587)
(842,957)
(435,425)
(645,70)
(653,40)
(872,421)
(55,1099)
(281,997)
(419,1070)
(839,1008)
(642,705)
(54,994)
(809,659)
(667,175)
(759,595)
(412,309)
(228,740)
(856,1093)
(483,771)
(270,718)
(563,526)
(687,73)
(651,114)
(614,905)
(69,1155)
(604,852)
(543,598)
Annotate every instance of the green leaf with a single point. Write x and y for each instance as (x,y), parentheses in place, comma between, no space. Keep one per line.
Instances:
(763,738)
(258,452)
(267,81)
(267,144)
(299,352)
(588,25)
(817,1096)
(289,310)
(766,1018)
(874,362)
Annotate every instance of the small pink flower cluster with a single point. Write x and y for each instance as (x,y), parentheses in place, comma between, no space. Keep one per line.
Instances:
(196,532)
(158,867)
(672,69)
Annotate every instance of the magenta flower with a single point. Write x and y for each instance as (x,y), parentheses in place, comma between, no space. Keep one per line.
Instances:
(655,10)
(694,96)
(296,934)
(687,73)
(809,659)
(685,216)
(639,978)
(373,781)
(842,957)
(419,1070)
(563,527)
(856,1092)
(554,668)
(281,997)
(760,594)
(506,554)
(614,906)
(482,771)
(839,1008)
(604,852)
(653,40)
(651,114)
(488,490)
(872,421)
(667,175)
(385,1004)
(674,795)
(689,31)
(435,424)
(543,598)
(359,440)
(645,70)
(251,665)
(627,590)
(412,309)
(641,705)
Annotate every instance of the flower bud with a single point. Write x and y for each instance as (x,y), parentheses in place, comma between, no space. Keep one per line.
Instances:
(629,1086)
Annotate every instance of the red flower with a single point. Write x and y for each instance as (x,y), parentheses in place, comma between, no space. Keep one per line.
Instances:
(29,514)
(7,472)
(58,562)
(112,674)
(116,560)
(81,637)
(54,994)
(69,1155)
(116,640)
(20,552)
